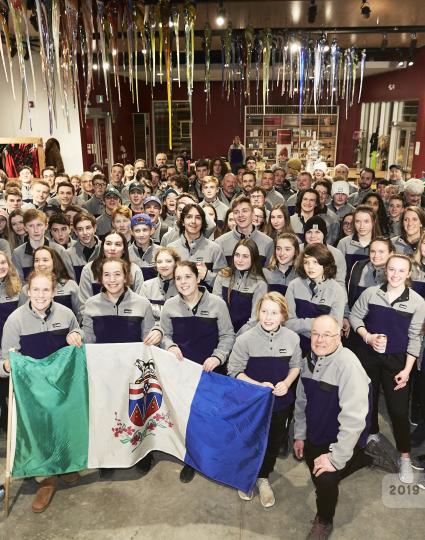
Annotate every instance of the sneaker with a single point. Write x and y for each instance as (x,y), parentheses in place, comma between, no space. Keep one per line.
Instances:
(321,530)
(187,474)
(144,465)
(384,455)
(405,472)
(246,496)
(418,463)
(267,498)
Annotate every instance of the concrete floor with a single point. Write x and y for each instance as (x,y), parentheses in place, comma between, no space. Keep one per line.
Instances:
(159,506)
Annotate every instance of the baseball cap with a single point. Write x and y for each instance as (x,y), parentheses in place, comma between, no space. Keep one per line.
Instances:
(168,191)
(340,187)
(394,166)
(141,219)
(111,191)
(135,186)
(150,199)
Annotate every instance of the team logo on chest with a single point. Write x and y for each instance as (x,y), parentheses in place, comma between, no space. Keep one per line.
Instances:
(145,394)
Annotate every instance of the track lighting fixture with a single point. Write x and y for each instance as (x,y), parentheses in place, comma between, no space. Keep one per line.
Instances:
(365,9)
(221,15)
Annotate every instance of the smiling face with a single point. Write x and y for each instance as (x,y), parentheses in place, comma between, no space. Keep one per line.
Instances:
(314,236)
(113,246)
(242,258)
(4,266)
(373,202)
(40,194)
(258,217)
(165,265)
(186,281)
(113,278)
(411,224)
(347,225)
(270,316)
(397,272)
(142,234)
(193,222)
(65,195)
(379,253)
(243,215)
(308,202)
(285,251)
(43,261)
(395,208)
(41,293)
(325,336)
(153,210)
(248,183)
(85,231)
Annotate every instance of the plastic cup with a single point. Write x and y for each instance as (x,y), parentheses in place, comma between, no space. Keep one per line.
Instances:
(382,342)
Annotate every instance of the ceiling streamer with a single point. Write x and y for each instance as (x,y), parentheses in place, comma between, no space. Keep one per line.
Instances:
(132,39)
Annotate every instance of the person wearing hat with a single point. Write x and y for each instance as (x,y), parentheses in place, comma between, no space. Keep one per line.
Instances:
(339,204)
(169,203)
(136,195)
(111,199)
(341,172)
(294,167)
(395,176)
(316,232)
(320,170)
(152,207)
(142,251)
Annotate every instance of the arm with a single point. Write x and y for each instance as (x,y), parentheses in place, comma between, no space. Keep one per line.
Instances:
(87,325)
(298,325)
(75,301)
(17,264)
(85,287)
(353,391)
(67,262)
(10,340)
(300,425)
(167,329)
(359,312)
(339,304)
(218,286)
(137,280)
(226,334)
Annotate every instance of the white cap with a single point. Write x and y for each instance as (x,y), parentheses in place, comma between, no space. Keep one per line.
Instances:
(340,187)
(321,166)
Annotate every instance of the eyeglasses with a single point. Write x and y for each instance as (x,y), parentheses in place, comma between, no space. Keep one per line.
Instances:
(325,337)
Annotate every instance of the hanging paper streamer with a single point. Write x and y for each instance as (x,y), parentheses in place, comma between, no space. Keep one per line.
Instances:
(112,25)
(249,43)
(152,28)
(267,44)
(17,16)
(165,18)
(227,60)
(207,49)
(189,30)
(175,17)
(362,63)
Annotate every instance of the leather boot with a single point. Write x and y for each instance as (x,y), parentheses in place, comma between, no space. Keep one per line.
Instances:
(44,494)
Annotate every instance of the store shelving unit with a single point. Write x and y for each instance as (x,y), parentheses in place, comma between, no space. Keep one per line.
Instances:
(261,130)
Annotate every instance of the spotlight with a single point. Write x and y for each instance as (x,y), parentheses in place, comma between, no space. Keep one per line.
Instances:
(400,64)
(365,9)
(221,15)
(410,63)
(312,12)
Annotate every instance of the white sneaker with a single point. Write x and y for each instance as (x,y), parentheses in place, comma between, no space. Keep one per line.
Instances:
(405,472)
(267,498)
(246,496)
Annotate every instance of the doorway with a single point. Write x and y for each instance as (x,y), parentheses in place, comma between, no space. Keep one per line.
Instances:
(99,139)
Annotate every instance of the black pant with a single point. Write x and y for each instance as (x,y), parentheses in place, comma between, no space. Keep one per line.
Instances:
(417,400)
(276,435)
(4,393)
(327,483)
(381,369)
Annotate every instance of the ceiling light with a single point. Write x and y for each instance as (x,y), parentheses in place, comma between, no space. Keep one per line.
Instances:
(312,12)
(365,9)
(221,15)
(410,63)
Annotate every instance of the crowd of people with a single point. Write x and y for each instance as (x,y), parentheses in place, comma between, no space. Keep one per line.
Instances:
(308,284)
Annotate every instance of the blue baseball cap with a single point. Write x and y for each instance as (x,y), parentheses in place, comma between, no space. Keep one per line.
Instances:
(141,219)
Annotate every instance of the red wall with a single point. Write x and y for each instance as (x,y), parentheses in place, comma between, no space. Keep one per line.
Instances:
(399,85)
(213,137)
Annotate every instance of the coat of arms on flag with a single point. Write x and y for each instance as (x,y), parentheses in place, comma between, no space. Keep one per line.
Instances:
(144,404)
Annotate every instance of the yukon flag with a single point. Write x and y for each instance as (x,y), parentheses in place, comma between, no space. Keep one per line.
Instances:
(109,405)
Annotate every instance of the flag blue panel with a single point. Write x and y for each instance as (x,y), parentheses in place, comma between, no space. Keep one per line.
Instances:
(227,430)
